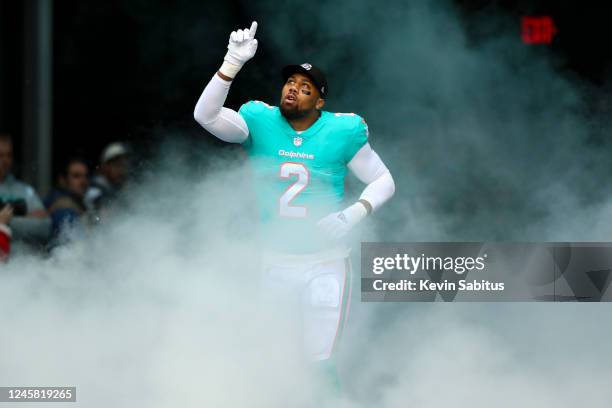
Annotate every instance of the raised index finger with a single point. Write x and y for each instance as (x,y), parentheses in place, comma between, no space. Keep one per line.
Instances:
(253,29)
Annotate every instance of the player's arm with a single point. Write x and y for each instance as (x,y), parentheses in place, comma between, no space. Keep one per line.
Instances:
(369,168)
(209,112)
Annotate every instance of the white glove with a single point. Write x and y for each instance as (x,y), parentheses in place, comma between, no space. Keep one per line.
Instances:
(241,48)
(338,224)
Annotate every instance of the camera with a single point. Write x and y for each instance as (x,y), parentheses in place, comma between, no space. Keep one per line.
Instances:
(20,208)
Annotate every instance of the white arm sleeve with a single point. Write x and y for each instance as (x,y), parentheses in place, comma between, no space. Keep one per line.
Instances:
(222,122)
(369,168)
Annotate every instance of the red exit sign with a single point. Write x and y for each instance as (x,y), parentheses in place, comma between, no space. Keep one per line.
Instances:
(538,29)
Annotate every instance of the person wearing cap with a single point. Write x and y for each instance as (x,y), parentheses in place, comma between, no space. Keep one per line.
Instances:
(35,226)
(105,186)
(300,156)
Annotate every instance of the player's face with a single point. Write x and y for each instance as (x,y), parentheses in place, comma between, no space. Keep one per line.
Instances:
(299,97)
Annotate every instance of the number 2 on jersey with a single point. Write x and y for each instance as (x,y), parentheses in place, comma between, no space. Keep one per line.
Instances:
(287,170)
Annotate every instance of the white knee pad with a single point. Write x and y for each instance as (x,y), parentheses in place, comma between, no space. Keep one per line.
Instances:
(324,291)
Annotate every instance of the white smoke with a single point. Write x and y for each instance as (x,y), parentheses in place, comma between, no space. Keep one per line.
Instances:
(158,307)
(486,141)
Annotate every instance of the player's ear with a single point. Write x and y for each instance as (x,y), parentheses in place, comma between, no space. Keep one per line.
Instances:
(320,103)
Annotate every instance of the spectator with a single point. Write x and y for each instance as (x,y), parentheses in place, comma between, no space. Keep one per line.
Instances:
(112,173)
(65,203)
(6,213)
(35,225)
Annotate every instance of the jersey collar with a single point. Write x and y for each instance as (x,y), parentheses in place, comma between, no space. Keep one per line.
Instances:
(313,129)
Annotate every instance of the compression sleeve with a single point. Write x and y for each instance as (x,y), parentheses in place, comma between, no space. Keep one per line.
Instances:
(369,168)
(209,112)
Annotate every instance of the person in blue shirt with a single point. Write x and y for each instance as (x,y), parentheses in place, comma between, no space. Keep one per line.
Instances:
(65,203)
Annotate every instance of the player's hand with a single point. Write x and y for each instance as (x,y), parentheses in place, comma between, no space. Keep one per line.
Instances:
(338,224)
(242,46)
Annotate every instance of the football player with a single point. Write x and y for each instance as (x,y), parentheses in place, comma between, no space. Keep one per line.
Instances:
(300,155)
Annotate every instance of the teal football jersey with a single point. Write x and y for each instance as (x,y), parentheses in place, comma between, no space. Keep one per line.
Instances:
(299,176)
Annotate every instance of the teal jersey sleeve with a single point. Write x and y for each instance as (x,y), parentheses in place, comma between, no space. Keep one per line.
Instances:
(249,112)
(357,138)
(256,114)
